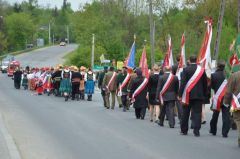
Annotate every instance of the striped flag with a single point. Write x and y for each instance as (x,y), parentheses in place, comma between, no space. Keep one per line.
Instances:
(168,60)
(182,61)
(143,63)
(204,57)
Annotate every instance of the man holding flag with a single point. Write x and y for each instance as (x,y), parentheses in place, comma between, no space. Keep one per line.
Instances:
(192,94)
(219,85)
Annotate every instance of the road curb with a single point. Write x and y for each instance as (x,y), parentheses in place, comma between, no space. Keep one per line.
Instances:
(11,146)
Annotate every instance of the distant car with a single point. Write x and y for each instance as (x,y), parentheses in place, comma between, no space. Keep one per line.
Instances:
(62,43)
(4,66)
(5,62)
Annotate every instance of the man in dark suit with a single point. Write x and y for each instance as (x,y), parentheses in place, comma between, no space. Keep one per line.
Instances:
(167,88)
(175,66)
(217,80)
(140,104)
(100,80)
(196,96)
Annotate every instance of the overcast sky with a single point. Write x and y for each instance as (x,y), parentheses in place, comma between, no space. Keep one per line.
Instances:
(75,3)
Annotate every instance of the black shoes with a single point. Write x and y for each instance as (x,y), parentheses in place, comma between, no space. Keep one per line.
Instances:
(160,124)
(196,133)
(213,133)
(203,122)
(224,135)
(183,133)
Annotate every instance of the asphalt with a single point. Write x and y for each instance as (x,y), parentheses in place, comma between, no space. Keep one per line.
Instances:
(48,128)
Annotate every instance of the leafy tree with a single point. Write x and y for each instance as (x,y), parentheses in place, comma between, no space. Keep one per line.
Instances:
(20,30)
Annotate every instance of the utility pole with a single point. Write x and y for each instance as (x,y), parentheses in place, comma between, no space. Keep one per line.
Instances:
(49,34)
(1,23)
(219,28)
(68,34)
(93,43)
(151,32)
(53,39)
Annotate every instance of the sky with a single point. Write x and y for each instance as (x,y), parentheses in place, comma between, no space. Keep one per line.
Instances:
(74,3)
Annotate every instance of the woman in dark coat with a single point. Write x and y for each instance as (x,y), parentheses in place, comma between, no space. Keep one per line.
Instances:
(140,102)
(17,76)
(152,88)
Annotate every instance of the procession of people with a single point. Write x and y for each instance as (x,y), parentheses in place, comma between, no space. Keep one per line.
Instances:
(165,95)
(60,81)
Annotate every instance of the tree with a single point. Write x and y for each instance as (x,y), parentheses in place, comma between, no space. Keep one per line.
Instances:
(20,30)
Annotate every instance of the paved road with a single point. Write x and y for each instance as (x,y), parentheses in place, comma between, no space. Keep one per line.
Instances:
(50,56)
(49,128)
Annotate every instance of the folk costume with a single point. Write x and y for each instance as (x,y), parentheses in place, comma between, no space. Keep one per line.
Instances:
(25,81)
(90,84)
(82,82)
(65,85)
(76,78)
(57,77)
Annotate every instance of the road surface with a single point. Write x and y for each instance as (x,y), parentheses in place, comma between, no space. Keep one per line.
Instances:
(49,128)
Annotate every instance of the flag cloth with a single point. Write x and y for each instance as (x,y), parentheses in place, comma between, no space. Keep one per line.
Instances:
(234,60)
(182,61)
(168,60)
(204,57)
(235,55)
(102,58)
(143,63)
(130,62)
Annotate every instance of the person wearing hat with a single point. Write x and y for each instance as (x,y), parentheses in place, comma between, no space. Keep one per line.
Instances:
(89,87)
(167,92)
(56,77)
(122,92)
(65,85)
(140,102)
(25,80)
(76,77)
(217,79)
(47,82)
(100,86)
(110,86)
(82,82)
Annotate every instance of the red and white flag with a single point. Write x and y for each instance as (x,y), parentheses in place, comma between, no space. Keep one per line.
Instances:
(182,61)
(143,63)
(204,57)
(191,83)
(166,86)
(234,60)
(218,97)
(144,67)
(235,103)
(168,60)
